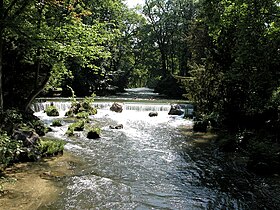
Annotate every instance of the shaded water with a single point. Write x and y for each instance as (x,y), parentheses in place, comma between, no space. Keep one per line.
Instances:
(152,164)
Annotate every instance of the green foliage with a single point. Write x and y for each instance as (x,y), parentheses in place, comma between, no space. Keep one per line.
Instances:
(44,38)
(51,147)
(52,111)
(236,74)
(83,115)
(77,126)
(73,96)
(9,150)
(59,76)
(81,109)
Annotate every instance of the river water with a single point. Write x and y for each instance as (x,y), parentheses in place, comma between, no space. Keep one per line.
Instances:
(152,164)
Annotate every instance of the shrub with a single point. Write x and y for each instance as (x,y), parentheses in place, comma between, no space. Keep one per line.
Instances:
(9,150)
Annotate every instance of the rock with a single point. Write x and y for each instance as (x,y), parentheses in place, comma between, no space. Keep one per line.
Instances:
(56,123)
(81,107)
(120,126)
(175,110)
(153,114)
(94,133)
(116,107)
(52,111)
(28,137)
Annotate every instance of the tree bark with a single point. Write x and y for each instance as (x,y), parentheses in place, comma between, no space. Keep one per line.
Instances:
(1,54)
(1,71)
(35,93)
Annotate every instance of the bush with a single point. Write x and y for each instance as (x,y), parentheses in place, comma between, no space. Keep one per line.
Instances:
(264,156)
(9,150)
(10,119)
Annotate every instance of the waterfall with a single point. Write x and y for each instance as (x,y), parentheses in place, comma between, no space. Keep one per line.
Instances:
(41,106)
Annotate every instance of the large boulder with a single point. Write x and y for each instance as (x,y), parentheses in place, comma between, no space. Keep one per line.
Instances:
(175,110)
(28,137)
(116,107)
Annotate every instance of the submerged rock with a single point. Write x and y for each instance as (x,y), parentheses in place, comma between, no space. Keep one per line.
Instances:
(116,107)
(120,126)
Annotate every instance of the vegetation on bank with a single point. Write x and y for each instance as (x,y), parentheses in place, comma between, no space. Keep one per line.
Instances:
(20,141)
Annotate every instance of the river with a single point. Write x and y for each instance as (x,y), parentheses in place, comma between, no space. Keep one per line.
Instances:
(153,163)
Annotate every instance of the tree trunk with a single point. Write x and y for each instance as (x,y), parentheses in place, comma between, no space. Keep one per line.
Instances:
(1,71)
(163,62)
(1,54)
(35,93)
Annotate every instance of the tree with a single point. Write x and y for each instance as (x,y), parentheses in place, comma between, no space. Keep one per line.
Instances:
(243,55)
(10,12)
(45,33)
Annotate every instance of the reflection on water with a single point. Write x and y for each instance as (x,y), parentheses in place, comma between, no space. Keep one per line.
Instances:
(150,164)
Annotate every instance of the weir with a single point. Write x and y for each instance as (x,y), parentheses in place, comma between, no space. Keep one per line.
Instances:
(137,106)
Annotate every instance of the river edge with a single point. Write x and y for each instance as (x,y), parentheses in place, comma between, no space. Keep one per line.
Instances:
(34,185)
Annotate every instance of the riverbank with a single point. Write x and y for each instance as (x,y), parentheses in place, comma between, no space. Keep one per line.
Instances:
(34,185)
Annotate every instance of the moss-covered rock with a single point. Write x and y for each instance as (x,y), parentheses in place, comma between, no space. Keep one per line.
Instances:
(93,133)
(77,126)
(52,111)
(81,110)
(56,123)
